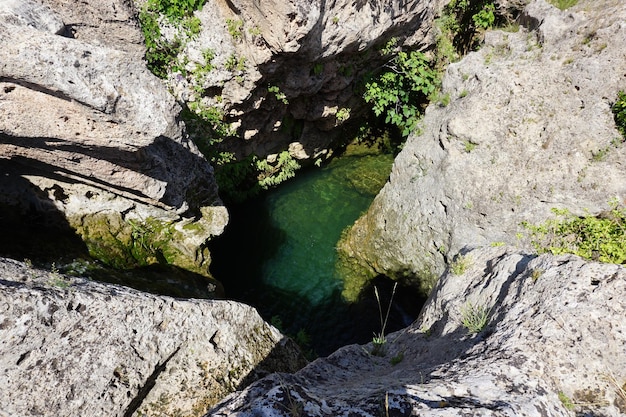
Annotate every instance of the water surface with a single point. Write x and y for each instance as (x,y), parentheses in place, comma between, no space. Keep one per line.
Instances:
(278,254)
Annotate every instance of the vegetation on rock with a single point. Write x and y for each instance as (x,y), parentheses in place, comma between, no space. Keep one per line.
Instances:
(619,113)
(462,24)
(411,79)
(475,317)
(160,53)
(601,238)
(563,4)
(399,93)
(379,340)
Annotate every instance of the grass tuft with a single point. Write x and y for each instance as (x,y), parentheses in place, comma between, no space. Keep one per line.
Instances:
(475,317)
(379,341)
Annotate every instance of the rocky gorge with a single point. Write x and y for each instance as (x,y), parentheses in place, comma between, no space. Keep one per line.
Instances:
(88,135)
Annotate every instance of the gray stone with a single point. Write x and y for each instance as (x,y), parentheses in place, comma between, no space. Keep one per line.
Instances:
(555,334)
(71,347)
(37,16)
(97,134)
(528,128)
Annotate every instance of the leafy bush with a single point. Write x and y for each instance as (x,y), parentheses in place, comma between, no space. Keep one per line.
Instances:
(235,63)
(271,175)
(342,114)
(619,113)
(461,26)
(566,401)
(160,54)
(280,96)
(485,17)
(175,9)
(601,238)
(400,91)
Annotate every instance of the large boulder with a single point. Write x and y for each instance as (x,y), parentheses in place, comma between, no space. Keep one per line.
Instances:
(528,128)
(71,347)
(97,137)
(553,343)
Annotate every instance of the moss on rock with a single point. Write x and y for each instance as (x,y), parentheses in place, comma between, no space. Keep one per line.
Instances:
(130,243)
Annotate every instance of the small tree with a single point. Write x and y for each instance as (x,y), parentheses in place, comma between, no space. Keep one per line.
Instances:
(398,93)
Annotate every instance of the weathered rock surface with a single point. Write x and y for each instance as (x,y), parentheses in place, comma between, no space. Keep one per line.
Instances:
(97,135)
(315,52)
(555,335)
(529,128)
(71,347)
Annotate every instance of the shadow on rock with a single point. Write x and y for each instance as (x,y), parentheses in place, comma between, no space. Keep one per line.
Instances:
(34,229)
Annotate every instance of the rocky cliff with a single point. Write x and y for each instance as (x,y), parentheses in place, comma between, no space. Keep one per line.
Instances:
(528,128)
(281,70)
(71,347)
(552,345)
(87,131)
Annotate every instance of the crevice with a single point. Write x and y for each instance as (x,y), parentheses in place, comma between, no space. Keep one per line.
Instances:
(22,357)
(147,387)
(212,340)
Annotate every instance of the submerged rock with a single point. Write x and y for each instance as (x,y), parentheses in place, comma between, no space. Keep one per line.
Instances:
(552,343)
(96,136)
(71,347)
(528,128)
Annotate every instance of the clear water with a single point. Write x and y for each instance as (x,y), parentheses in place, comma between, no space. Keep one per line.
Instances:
(278,254)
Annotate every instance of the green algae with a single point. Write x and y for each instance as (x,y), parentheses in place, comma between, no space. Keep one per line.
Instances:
(132,243)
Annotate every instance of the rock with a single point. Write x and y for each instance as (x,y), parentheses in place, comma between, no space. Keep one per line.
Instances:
(529,128)
(314,52)
(72,347)
(554,339)
(98,137)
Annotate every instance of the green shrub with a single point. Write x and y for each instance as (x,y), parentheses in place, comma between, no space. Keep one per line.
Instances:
(271,175)
(485,17)
(460,264)
(161,54)
(398,93)
(563,4)
(234,28)
(317,69)
(175,9)
(461,25)
(280,96)
(566,401)
(343,114)
(234,63)
(601,238)
(619,113)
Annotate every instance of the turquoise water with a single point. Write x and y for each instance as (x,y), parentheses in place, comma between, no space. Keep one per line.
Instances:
(278,253)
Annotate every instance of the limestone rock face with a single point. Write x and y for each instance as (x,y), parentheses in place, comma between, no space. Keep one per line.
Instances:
(95,134)
(71,347)
(313,52)
(529,128)
(554,340)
